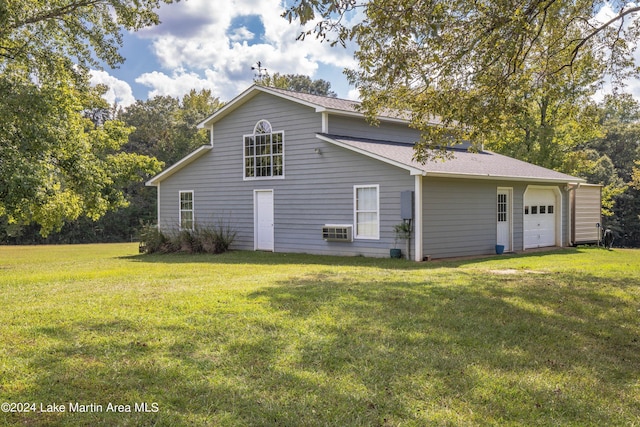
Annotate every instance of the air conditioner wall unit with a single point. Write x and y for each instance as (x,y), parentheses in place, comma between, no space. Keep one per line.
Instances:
(337,232)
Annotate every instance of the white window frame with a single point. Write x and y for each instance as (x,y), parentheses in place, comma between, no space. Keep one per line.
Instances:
(181,210)
(262,128)
(503,215)
(358,236)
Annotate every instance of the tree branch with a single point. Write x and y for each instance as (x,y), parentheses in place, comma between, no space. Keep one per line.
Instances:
(621,15)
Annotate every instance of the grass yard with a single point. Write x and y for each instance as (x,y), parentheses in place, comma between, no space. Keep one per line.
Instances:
(261,339)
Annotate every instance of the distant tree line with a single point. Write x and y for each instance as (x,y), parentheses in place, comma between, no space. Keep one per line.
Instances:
(613,160)
(297,83)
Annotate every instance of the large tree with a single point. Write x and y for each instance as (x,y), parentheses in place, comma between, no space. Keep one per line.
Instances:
(55,164)
(620,141)
(43,35)
(472,68)
(166,129)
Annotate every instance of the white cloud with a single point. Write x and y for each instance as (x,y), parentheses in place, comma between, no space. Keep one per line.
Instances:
(201,45)
(176,85)
(241,34)
(119,92)
(354,94)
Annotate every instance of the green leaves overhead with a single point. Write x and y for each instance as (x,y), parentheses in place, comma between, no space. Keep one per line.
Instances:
(34,33)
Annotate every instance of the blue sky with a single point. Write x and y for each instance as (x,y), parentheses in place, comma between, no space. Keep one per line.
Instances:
(202,44)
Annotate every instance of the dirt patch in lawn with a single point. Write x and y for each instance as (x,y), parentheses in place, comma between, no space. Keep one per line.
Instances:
(509,271)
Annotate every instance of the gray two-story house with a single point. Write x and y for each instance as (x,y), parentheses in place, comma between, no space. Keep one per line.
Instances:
(294,172)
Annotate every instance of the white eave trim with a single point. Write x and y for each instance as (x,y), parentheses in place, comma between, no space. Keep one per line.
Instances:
(358,114)
(228,107)
(155,181)
(410,169)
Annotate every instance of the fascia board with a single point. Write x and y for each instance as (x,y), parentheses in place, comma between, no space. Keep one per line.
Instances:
(357,114)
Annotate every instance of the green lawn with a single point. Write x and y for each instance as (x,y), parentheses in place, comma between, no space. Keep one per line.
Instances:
(263,339)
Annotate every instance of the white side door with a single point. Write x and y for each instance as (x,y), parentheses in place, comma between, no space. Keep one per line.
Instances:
(263,220)
(503,236)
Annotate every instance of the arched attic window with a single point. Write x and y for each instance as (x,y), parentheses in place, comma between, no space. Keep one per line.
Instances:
(263,126)
(264,152)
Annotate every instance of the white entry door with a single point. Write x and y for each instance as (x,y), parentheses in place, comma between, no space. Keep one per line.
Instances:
(263,220)
(504,218)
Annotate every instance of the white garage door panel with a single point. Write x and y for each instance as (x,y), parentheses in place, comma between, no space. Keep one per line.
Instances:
(540,218)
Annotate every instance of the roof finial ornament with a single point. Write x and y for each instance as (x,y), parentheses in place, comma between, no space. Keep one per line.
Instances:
(260,69)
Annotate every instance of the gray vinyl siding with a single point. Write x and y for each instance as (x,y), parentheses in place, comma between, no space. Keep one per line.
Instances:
(460,216)
(317,189)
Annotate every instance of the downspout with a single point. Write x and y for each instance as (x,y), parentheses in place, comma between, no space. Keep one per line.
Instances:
(570,214)
(417,223)
(571,188)
(158,207)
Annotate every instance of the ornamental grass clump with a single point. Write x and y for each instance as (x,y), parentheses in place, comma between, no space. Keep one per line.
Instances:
(214,239)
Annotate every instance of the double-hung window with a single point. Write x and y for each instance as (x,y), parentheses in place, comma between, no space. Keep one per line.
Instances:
(264,152)
(367,211)
(186,210)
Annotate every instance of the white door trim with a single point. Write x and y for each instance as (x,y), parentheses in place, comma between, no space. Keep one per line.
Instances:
(263,232)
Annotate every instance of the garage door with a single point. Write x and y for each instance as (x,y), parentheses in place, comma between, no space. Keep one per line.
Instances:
(540,212)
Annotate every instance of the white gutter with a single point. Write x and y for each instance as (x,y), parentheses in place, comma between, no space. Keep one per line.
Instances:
(501,177)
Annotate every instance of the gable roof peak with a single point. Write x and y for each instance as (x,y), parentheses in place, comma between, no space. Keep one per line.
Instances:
(320,103)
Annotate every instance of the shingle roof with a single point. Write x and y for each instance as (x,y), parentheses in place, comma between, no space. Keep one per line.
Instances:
(320,103)
(338,105)
(463,163)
